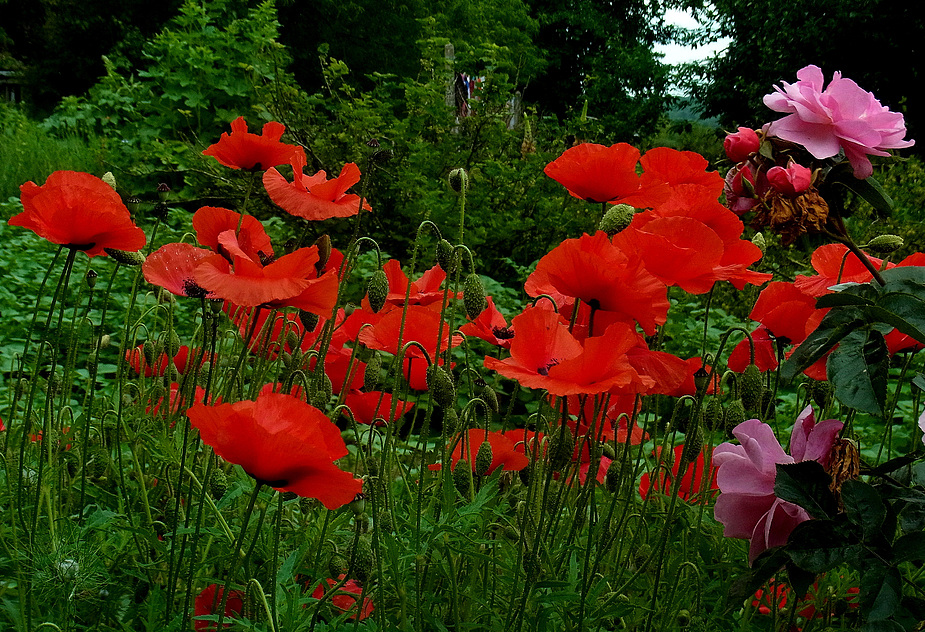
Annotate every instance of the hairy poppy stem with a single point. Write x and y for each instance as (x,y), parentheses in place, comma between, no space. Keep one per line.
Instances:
(235,562)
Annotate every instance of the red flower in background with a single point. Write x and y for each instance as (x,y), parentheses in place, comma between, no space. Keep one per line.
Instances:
(209,600)
(421,324)
(691,487)
(212,222)
(282,442)
(765,352)
(504,454)
(375,407)
(604,277)
(490,326)
(314,197)
(244,150)
(345,599)
(424,291)
(80,211)
(172,267)
(597,173)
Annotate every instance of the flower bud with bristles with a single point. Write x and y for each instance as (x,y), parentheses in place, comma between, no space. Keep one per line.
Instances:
(440,384)
(462,477)
(371,372)
(447,258)
(617,218)
(377,290)
(885,244)
(474,296)
(459,180)
(483,459)
(126,258)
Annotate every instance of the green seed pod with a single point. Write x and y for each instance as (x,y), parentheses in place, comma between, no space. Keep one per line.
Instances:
(885,244)
(751,388)
(693,444)
(363,559)
(474,296)
(561,447)
(462,477)
(683,618)
(440,383)
(90,278)
(490,398)
(384,522)
(308,320)
(713,415)
(483,459)
(97,461)
(459,180)
(735,414)
(446,257)
(450,421)
(617,218)
(337,565)
(218,483)
(358,504)
(371,372)
(377,290)
(819,392)
(150,351)
(126,258)
(173,343)
(163,191)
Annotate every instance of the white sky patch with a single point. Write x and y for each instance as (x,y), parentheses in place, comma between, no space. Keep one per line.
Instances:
(677,54)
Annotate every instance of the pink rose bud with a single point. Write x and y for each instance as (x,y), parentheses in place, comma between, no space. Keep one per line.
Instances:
(790,181)
(741,145)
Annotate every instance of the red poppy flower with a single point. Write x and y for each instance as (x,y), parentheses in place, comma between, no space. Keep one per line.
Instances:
(592,269)
(345,599)
(599,174)
(172,267)
(80,211)
(375,407)
(661,372)
(765,352)
(136,360)
(692,241)
(691,485)
(504,454)
(315,197)
(176,401)
(776,598)
(281,442)
(544,355)
(681,167)
(421,324)
(834,264)
(687,385)
(209,600)
(490,326)
(211,222)
(243,150)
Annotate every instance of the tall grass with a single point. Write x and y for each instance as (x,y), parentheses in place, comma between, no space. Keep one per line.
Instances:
(27,152)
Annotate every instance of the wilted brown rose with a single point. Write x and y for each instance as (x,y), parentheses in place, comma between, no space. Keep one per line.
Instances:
(844,464)
(792,217)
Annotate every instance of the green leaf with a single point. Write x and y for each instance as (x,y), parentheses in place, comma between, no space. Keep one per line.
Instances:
(858,370)
(835,325)
(871,190)
(864,507)
(821,545)
(910,548)
(881,591)
(806,484)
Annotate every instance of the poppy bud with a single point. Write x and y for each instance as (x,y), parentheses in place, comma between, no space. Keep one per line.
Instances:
(616,219)
(683,618)
(819,392)
(614,476)
(526,474)
(440,384)
(483,459)
(126,258)
(91,278)
(371,373)
(713,415)
(760,241)
(150,351)
(693,444)
(377,290)
(324,251)
(885,244)
(163,191)
(450,421)
(109,179)
(363,560)
(751,389)
(292,339)
(446,257)
(105,341)
(384,521)
(459,180)
(701,378)
(218,484)
(490,398)
(561,447)
(461,477)
(173,343)
(474,296)
(308,320)
(735,414)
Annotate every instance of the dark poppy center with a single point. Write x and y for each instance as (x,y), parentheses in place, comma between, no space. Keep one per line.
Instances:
(544,370)
(502,333)
(82,246)
(193,290)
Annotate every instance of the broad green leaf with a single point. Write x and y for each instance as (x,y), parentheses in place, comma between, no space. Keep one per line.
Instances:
(871,190)
(821,545)
(837,324)
(864,507)
(858,370)
(806,484)
(881,590)
(910,548)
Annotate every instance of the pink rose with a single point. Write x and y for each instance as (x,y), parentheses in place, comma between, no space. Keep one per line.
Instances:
(740,189)
(747,505)
(841,117)
(790,181)
(742,144)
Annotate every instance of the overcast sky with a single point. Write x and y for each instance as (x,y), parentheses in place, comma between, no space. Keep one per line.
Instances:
(676,54)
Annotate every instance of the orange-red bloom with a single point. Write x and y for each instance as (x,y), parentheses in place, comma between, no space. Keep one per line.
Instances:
(345,599)
(597,173)
(80,211)
(244,150)
(375,407)
(172,267)
(490,326)
(315,197)
(504,454)
(209,600)
(282,442)
(691,487)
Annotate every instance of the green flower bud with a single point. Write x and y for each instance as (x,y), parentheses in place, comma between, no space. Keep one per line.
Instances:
(459,180)
(218,483)
(173,343)
(885,244)
(713,415)
(693,444)
(371,372)
(474,296)
(363,559)
(440,384)
(751,387)
(358,504)
(126,258)
(483,459)
(735,414)
(109,179)
(561,448)
(490,398)
(446,256)
(462,477)
(377,290)
(308,320)
(450,421)
(617,218)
